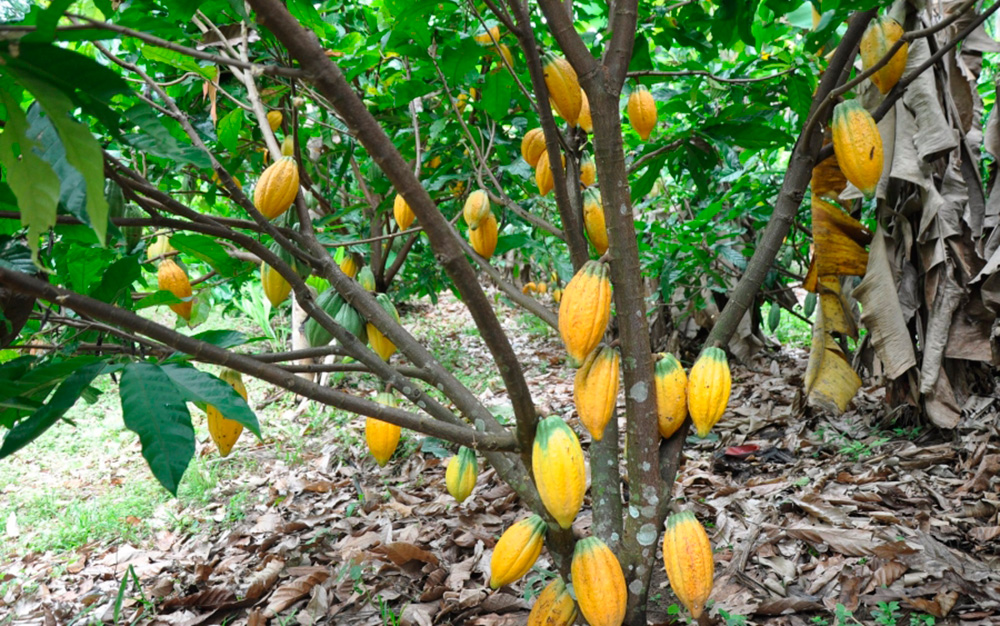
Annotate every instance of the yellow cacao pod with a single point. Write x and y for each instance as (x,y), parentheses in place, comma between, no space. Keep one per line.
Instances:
(858,146)
(434,163)
(277,187)
(593,220)
(516,551)
(532,146)
(557,295)
(599,583)
(382,437)
(160,247)
(595,390)
(543,174)
(529,288)
(671,394)
(585,310)
(225,432)
(708,389)
(541,287)
(506,54)
(460,477)
(584,121)
(588,172)
(402,212)
(881,35)
(351,264)
(560,474)
(564,88)
(642,111)
(487,38)
(172,278)
(687,557)
(274,119)
(554,606)
(276,288)
(484,238)
(477,207)
(379,342)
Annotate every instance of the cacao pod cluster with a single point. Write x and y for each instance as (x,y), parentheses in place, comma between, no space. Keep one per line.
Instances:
(483,227)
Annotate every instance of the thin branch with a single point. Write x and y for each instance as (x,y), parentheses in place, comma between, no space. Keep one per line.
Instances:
(721,79)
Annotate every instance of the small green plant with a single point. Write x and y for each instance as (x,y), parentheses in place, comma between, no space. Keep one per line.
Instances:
(733,620)
(886,613)
(255,306)
(922,620)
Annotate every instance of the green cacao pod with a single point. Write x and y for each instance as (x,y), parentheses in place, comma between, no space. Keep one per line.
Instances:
(331,302)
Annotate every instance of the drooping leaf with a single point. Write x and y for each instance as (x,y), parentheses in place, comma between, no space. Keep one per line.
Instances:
(830,381)
(195,385)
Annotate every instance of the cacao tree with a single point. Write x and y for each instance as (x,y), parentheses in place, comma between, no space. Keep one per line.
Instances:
(356,150)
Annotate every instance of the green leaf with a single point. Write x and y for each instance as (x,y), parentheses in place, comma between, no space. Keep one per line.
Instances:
(157,140)
(177,60)
(158,298)
(154,409)
(497,94)
(229,129)
(116,282)
(222,338)
(73,189)
(208,250)
(48,20)
(195,385)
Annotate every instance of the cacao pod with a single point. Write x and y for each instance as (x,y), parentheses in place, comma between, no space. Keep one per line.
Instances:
(687,557)
(276,288)
(460,477)
(172,278)
(881,35)
(225,432)
(671,394)
(584,121)
(350,319)
(554,606)
(288,146)
(541,287)
(487,38)
(593,220)
(274,119)
(516,551)
(543,174)
(434,163)
(858,146)
(557,295)
(160,247)
(588,171)
(477,208)
(585,310)
(560,474)
(642,111)
(532,146)
(351,264)
(708,389)
(484,238)
(382,437)
(277,187)
(366,278)
(599,583)
(298,266)
(380,343)
(595,390)
(132,234)
(529,288)
(564,88)
(402,212)
(331,302)
(506,54)
(456,188)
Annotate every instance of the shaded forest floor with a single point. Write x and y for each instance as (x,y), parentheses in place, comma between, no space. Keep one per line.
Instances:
(856,519)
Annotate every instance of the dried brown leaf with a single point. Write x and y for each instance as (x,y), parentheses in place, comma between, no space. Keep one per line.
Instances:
(290,593)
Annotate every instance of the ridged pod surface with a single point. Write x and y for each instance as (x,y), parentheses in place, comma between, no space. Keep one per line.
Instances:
(564,88)
(671,394)
(599,583)
(858,146)
(560,474)
(585,310)
(584,121)
(708,389)
(588,171)
(331,302)
(159,247)
(460,477)
(593,220)
(484,238)
(642,111)
(554,606)
(366,278)
(350,265)
(380,343)
(477,207)
(277,187)
(225,432)
(172,278)
(276,288)
(543,174)
(687,557)
(274,119)
(402,212)
(350,319)
(382,437)
(880,36)
(516,551)
(595,389)
(532,146)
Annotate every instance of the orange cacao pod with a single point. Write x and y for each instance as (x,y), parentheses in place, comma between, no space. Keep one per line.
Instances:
(274,119)
(484,238)
(671,394)
(584,121)
(382,437)
(402,212)
(277,187)
(225,432)
(554,606)
(532,146)
(858,146)
(708,389)
(460,477)
(564,88)
(642,111)
(599,583)
(595,390)
(516,551)
(593,220)
(584,310)
(687,557)
(881,35)
(172,278)
(560,473)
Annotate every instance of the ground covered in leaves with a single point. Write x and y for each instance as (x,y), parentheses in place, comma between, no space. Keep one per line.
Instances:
(858,519)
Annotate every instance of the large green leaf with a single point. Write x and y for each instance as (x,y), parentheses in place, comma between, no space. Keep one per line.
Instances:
(195,385)
(208,250)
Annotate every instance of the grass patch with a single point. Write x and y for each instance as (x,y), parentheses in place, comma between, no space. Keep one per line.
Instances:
(791,331)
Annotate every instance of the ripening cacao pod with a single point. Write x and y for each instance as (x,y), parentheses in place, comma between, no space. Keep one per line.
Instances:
(585,310)
(642,111)
(366,278)
(477,207)
(484,238)
(554,606)
(382,437)
(274,119)
(595,390)
(858,146)
(487,38)
(543,174)
(380,343)
(506,54)
(402,212)
(881,35)
(351,264)
(530,287)
(331,302)
(564,88)
(460,477)
(557,295)
(160,247)
(599,583)
(172,278)
(687,557)
(541,287)
(593,220)
(516,551)
(671,394)
(225,432)
(277,187)
(584,121)
(560,474)
(532,146)
(276,288)
(588,171)
(708,389)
